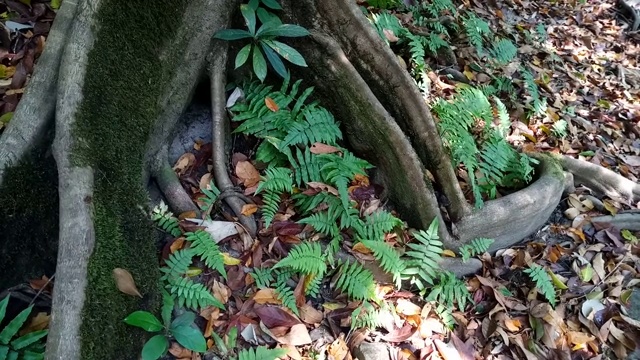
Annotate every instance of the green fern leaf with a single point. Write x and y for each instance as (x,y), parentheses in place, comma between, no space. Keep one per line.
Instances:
(449,291)
(388,257)
(270,207)
(261,353)
(476,247)
(423,266)
(205,246)
(322,222)
(319,126)
(191,294)
(543,282)
(286,295)
(355,281)
(446,316)
(503,52)
(306,258)
(377,224)
(165,219)
(210,197)
(276,179)
(177,264)
(262,277)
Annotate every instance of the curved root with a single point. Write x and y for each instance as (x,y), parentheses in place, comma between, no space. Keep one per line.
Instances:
(169,185)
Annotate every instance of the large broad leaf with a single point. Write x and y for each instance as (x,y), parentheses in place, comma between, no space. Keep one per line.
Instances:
(185,319)
(155,347)
(243,55)
(144,320)
(267,17)
(12,328)
(273,4)
(189,337)
(28,339)
(4,350)
(286,30)
(274,60)
(167,308)
(259,64)
(249,15)
(3,307)
(32,355)
(290,54)
(232,34)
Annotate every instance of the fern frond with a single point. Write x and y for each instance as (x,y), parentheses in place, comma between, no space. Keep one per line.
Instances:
(191,294)
(271,205)
(287,297)
(277,179)
(366,316)
(322,222)
(177,264)
(205,246)
(384,21)
(306,166)
(210,197)
(261,353)
(268,153)
(449,291)
(503,52)
(446,316)
(165,219)
(339,171)
(476,247)
(355,281)
(306,258)
(318,126)
(422,266)
(312,287)
(377,224)
(539,105)
(262,277)
(476,29)
(388,258)
(543,282)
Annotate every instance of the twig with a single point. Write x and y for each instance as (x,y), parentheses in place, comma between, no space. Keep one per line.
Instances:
(42,289)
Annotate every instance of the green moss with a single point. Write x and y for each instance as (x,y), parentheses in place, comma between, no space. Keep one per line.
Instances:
(29,220)
(124,81)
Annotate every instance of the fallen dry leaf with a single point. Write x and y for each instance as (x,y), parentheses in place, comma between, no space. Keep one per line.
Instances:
(186,161)
(320,148)
(246,172)
(338,350)
(271,104)
(310,315)
(125,282)
(220,292)
(297,336)
(266,296)
(230,260)
(249,209)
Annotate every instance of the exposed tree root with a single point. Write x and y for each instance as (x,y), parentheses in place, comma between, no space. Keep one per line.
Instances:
(629,221)
(217,75)
(602,180)
(35,112)
(170,186)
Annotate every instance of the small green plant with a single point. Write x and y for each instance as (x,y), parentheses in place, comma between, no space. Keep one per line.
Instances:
(384,4)
(503,52)
(476,247)
(28,346)
(630,237)
(538,105)
(422,263)
(449,291)
(226,346)
(209,199)
(543,282)
(181,329)
(165,219)
(559,128)
(264,43)
(261,353)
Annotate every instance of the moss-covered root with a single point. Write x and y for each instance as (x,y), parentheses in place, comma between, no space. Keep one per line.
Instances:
(35,111)
(76,235)
(601,180)
(394,88)
(217,75)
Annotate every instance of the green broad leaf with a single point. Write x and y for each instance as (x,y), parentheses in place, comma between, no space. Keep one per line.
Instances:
(243,55)
(12,328)
(232,34)
(267,18)
(232,337)
(272,4)
(190,338)
(32,355)
(55,4)
(274,60)
(28,339)
(249,15)
(287,52)
(286,30)
(259,64)
(586,274)
(6,117)
(144,320)
(219,343)
(167,307)
(4,351)
(587,153)
(185,319)
(628,235)
(3,307)
(13,355)
(155,347)
(254,4)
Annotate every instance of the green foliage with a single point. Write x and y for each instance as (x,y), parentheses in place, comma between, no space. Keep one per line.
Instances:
(385,21)
(339,170)
(476,247)
(355,281)
(261,353)
(366,316)
(322,222)
(180,328)
(27,346)
(262,277)
(487,152)
(306,258)
(537,104)
(263,39)
(446,316)
(384,4)
(229,346)
(559,128)
(376,225)
(210,197)
(177,264)
(203,245)
(388,257)
(630,237)
(320,126)
(286,295)
(476,30)
(543,282)
(503,52)
(422,264)
(276,181)
(449,291)
(165,219)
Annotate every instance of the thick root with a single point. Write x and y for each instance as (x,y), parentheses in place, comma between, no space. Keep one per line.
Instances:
(35,112)
(169,185)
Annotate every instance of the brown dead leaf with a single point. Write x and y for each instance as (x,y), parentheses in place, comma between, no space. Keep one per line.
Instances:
(297,336)
(271,105)
(125,282)
(320,148)
(324,187)
(407,308)
(292,352)
(38,322)
(179,352)
(177,244)
(186,161)
(310,315)
(338,350)
(359,247)
(249,209)
(38,284)
(246,172)
(266,296)
(221,292)
(187,215)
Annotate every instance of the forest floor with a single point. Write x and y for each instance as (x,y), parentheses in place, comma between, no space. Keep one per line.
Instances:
(586,68)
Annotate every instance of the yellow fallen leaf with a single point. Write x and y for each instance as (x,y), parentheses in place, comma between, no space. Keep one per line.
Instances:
(556,281)
(230,260)
(266,296)
(359,247)
(448,253)
(249,209)
(332,306)
(125,283)
(193,271)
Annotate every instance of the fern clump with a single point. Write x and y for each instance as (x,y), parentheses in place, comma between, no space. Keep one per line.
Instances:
(261,353)
(27,346)
(276,181)
(422,263)
(203,245)
(449,291)
(503,52)
(543,282)
(355,281)
(162,216)
(306,258)
(475,247)
(388,258)
(466,127)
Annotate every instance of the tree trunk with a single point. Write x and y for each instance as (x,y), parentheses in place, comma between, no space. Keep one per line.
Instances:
(126,73)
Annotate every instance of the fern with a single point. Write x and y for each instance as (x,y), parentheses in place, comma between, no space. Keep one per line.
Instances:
(355,281)
(261,353)
(306,166)
(306,258)
(191,294)
(389,258)
(210,197)
(323,223)
(312,287)
(503,52)
(476,247)
(423,259)
(449,291)
(339,171)
(27,346)
(366,316)
(347,217)
(276,181)
(384,4)
(385,22)
(286,296)
(539,105)
(165,219)
(262,277)
(476,30)
(377,224)
(270,207)
(543,282)
(204,246)
(268,153)
(319,126)
(177,264)
(559,128)
(446,316)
